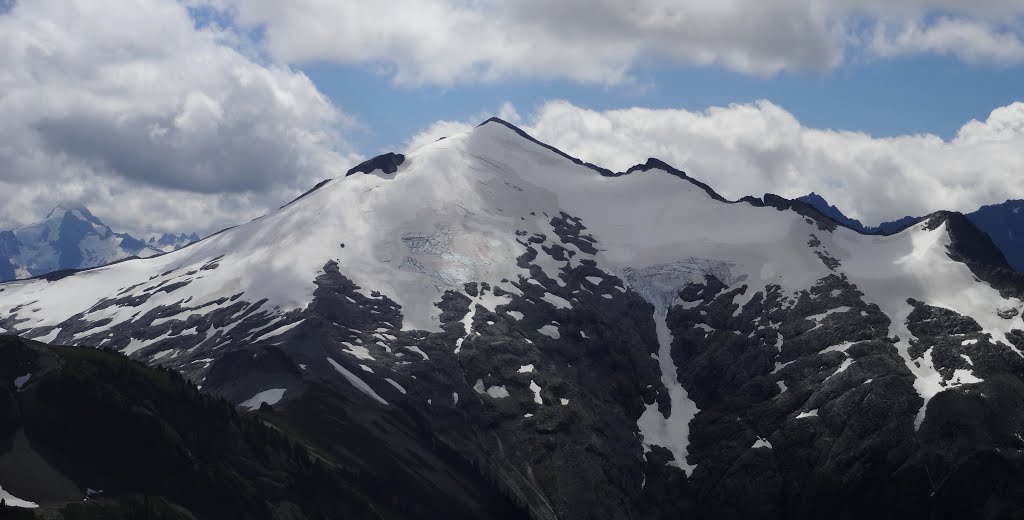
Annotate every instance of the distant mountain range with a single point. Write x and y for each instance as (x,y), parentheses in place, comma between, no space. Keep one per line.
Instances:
(71,237)
(168,242)
(1003,223)
(885,228)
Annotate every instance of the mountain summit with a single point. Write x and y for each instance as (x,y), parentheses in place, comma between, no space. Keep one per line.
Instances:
(490,321)
(71,237)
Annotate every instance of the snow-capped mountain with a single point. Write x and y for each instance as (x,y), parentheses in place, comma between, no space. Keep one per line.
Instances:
(488,316)
(169,242)
(70,237)
(885,228)
(1002,222)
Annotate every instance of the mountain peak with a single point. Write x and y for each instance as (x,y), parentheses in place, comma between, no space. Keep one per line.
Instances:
(77,210)
(72,238)
(68,206)
(498,120)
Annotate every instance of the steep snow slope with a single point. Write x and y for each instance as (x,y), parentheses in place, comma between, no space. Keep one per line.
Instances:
(449,216)
(647,308)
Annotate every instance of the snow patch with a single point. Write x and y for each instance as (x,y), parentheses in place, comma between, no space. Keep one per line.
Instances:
(358,351)
(13,501)
(535,388)
(49,337)
(557,301)
(929,382)
(672,432)
(550,331)
(278,331)
(842,347)
(467,325)
(842,368)
(817,318)
(271,397)
(395,384)
(355,381)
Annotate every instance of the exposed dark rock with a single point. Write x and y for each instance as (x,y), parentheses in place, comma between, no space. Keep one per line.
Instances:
(387,163)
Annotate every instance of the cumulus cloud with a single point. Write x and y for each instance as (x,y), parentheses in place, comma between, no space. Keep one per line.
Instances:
(970,41)
(757,148)
(604,41)
(155,123)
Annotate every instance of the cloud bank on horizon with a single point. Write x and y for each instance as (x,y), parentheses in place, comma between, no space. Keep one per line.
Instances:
(196,114)
(757,148)
(600,41)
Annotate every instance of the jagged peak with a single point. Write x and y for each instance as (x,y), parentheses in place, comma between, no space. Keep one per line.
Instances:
(77,209)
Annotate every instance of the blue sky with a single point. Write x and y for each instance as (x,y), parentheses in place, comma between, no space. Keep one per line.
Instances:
(192,115)
(922,94)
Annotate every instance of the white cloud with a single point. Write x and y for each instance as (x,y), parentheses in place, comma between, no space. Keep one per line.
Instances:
(439,129)
(436,131)
(758,148)
(605,41)
(968,40)
(154,123)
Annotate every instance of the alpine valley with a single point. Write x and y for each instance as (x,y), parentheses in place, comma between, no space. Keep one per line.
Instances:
(489,328)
